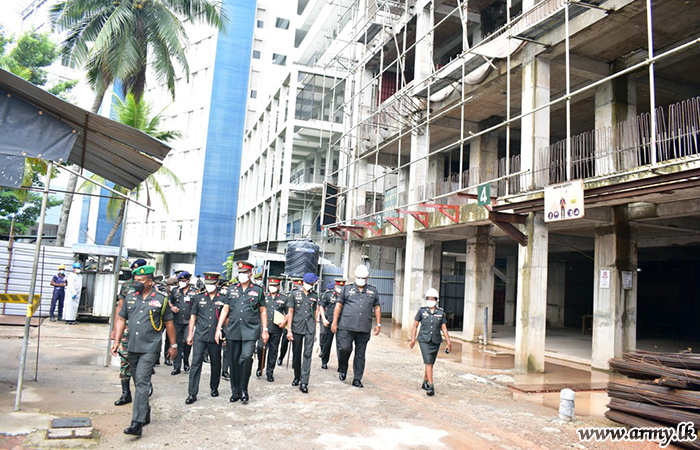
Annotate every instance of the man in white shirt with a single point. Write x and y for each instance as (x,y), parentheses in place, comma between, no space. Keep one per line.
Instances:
(74,285)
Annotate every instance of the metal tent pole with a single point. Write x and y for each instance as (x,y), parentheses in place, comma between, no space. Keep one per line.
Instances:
(32,288)
(117,266)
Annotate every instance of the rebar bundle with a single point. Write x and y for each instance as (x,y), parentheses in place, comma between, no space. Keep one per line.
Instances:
(668,396)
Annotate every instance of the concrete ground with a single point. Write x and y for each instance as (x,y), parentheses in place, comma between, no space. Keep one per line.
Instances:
(471,409)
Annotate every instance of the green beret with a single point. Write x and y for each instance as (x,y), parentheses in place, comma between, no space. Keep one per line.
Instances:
(143,270)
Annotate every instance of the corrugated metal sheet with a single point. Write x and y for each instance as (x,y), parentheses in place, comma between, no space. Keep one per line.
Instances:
(18,277)
(115,151)
(382,279)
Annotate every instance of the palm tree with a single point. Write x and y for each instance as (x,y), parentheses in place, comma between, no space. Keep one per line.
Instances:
(119,39)
(139,115)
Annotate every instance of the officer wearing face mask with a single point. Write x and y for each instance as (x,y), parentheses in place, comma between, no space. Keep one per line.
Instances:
(206,310)
(358,305)
(327,309)
(296,283)
(181,299)
(432,320)
(59,292)
(148,314)
(74,287)
(303,310)
(247,321)
(276,305)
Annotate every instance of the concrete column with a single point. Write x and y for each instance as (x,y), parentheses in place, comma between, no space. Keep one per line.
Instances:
(352,259)
(397,303)
(614,308)
(535,127)
(615,102)
(483,154)
(433,269)
(418,269)
(556,293)
(478,283)
(530,326)
(511,273)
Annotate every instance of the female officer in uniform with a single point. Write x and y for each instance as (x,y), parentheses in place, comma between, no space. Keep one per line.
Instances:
(432,319)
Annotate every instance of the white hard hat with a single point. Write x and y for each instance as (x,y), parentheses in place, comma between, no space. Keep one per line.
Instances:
(432,293)
(361,271)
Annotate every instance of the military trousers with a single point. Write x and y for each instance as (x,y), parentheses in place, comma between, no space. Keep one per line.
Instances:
(199,349)
(273,343)
(241,357)
(326,343)
(303,347)
(183,350)
(346,340)
(141,370)
(284,345)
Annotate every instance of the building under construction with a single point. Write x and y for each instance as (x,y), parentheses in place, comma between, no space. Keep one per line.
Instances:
(453,121)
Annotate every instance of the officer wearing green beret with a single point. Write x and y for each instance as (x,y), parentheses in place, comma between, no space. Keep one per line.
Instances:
(247,320)
(148,313)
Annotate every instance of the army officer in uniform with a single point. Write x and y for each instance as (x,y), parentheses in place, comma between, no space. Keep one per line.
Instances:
(432,320)
(246,314)
(274,302)
(357,305)
(147,312)
(302,306)
(206,310)
(328,302)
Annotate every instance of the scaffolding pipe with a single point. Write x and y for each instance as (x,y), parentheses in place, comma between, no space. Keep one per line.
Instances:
(32,289)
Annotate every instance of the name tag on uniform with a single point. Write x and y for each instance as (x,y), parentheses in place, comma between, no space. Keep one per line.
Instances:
(370,292)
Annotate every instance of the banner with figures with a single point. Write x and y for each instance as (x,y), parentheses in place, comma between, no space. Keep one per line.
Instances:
(563,201)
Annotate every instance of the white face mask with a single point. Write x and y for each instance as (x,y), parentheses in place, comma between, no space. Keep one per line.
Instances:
(76,270)
(182,284)
(338,289)
(210,287)
(431,303)
(273,289)
(360,281)
(307,287)
(243,277)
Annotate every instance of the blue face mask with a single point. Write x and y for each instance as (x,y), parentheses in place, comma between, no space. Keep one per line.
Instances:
(60,272)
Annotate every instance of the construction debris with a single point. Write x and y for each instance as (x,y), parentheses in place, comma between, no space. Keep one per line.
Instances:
(668,395)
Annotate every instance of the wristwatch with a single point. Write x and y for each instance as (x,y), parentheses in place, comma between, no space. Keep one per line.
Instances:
(264,329)
(173,346)
(379,325)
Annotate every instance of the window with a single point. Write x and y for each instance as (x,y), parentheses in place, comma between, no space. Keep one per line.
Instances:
(162,232)
(256,54)
(261,24)
(280,60)
(282,23)
(253,94)
(179,232)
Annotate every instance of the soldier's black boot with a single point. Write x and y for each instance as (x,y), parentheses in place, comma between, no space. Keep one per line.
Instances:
(150,390)
(126,394)
(147,420)
(244,397)
(134,429)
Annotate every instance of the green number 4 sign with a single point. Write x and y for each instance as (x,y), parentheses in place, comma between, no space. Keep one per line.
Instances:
(484,194)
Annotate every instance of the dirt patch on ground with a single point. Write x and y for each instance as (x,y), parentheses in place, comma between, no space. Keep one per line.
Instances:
(391,411)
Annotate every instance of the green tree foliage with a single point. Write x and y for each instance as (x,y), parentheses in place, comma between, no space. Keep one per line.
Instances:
(119,39)
(139,115)
(25,212)
(28,57)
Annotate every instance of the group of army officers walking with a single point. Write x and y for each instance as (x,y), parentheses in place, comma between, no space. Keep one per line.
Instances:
(240,318)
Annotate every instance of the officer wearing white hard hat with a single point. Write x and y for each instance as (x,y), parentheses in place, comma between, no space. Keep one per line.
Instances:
(432,320)
(357,307)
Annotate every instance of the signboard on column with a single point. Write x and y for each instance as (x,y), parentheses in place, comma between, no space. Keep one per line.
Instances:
(563,201)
